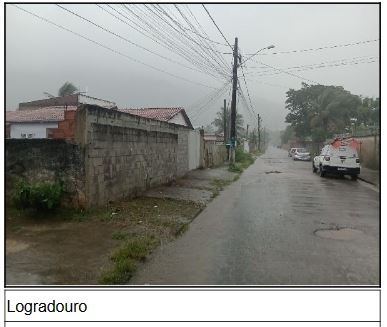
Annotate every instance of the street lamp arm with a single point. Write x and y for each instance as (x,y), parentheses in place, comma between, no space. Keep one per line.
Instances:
(253,55)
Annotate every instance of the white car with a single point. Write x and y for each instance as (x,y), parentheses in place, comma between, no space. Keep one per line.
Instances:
(301,154)
(339,158)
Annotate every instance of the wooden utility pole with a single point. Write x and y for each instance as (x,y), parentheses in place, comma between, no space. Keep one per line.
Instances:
(224,121)
(247,131)
(233,103)
(259,133)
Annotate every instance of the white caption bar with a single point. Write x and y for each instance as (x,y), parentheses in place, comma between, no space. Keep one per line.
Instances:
(193,305)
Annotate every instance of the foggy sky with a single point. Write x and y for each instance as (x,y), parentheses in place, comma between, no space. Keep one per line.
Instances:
(40,57)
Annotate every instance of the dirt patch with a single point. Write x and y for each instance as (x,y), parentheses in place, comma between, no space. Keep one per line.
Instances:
(14,246)
(343,234)
(78,248)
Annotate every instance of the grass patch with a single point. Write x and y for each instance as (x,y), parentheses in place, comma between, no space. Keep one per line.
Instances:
(220,183)
(126,257)
(119,235)
(242,161)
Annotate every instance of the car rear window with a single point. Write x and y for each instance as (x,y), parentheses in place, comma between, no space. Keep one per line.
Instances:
(347,151)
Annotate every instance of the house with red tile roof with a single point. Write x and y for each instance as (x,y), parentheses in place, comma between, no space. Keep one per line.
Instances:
(171,115)
(35,123)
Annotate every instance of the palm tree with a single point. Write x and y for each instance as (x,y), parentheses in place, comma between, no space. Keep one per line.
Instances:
(219,121)
(67,89)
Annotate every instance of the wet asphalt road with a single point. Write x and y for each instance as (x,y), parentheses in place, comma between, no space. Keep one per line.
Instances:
(261,231)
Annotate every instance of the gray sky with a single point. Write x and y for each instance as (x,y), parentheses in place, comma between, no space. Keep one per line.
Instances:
(41,57)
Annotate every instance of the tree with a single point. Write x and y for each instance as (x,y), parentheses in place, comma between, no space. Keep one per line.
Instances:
(320,111)
(67,89)
(219,121)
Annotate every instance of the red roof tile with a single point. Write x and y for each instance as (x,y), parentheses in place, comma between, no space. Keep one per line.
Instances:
(46,114)
(163,114)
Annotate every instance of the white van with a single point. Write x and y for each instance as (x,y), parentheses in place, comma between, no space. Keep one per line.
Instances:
(339,157)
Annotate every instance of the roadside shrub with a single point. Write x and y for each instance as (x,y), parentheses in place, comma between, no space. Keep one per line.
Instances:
(235,168)
(38,196)
(246,159)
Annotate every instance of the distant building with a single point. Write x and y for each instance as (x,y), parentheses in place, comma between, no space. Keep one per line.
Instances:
(214,138)
(34,123)
(68,100)
(171,115)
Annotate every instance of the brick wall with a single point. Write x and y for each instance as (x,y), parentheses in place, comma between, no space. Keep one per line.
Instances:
(36,160)
(66,128)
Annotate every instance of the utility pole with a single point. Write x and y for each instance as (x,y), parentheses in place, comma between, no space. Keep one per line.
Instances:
(259,133)
(233,103)
(224,121)
(247,131)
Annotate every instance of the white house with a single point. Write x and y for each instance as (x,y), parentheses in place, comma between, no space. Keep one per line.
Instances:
(34,123)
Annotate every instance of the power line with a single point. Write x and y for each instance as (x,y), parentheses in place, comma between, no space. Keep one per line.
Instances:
(319,66)
(321,63)
(248,93)
(210,46)
(320,48)
(217,27)
(126,40)
(110,49)
(215,96)
(291,74)
(165,34)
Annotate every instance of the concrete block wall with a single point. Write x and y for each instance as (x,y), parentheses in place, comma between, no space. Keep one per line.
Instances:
(46,160)
(127,154)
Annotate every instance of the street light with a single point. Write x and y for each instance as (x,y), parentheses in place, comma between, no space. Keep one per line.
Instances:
(253,55)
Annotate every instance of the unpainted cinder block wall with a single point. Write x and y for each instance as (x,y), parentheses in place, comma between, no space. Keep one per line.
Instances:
(46,160)
(127,154)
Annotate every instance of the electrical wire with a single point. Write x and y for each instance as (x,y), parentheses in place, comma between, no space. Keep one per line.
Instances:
(126,40)
(217,27)
(320,48)
(110,49)
(318,66)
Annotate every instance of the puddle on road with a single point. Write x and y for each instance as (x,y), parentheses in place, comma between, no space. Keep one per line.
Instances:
(273,172)
(343,234)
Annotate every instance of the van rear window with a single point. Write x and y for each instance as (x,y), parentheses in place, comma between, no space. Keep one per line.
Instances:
(344,150)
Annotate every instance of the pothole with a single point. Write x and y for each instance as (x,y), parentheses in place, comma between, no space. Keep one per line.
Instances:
(343,234)
(273,172)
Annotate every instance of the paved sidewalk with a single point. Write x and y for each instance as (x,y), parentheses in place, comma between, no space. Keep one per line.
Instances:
(369,176)
(200,185)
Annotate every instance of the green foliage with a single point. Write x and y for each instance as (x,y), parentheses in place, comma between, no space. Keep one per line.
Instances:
(242,161)
(235,168)
(319,111)
(218,122)
(287,134)
(125,259)
(39,196)
(67,89)
(244,158)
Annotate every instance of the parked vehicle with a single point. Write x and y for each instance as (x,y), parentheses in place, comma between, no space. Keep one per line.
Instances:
(291,151)
(340,157)
(301,154)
